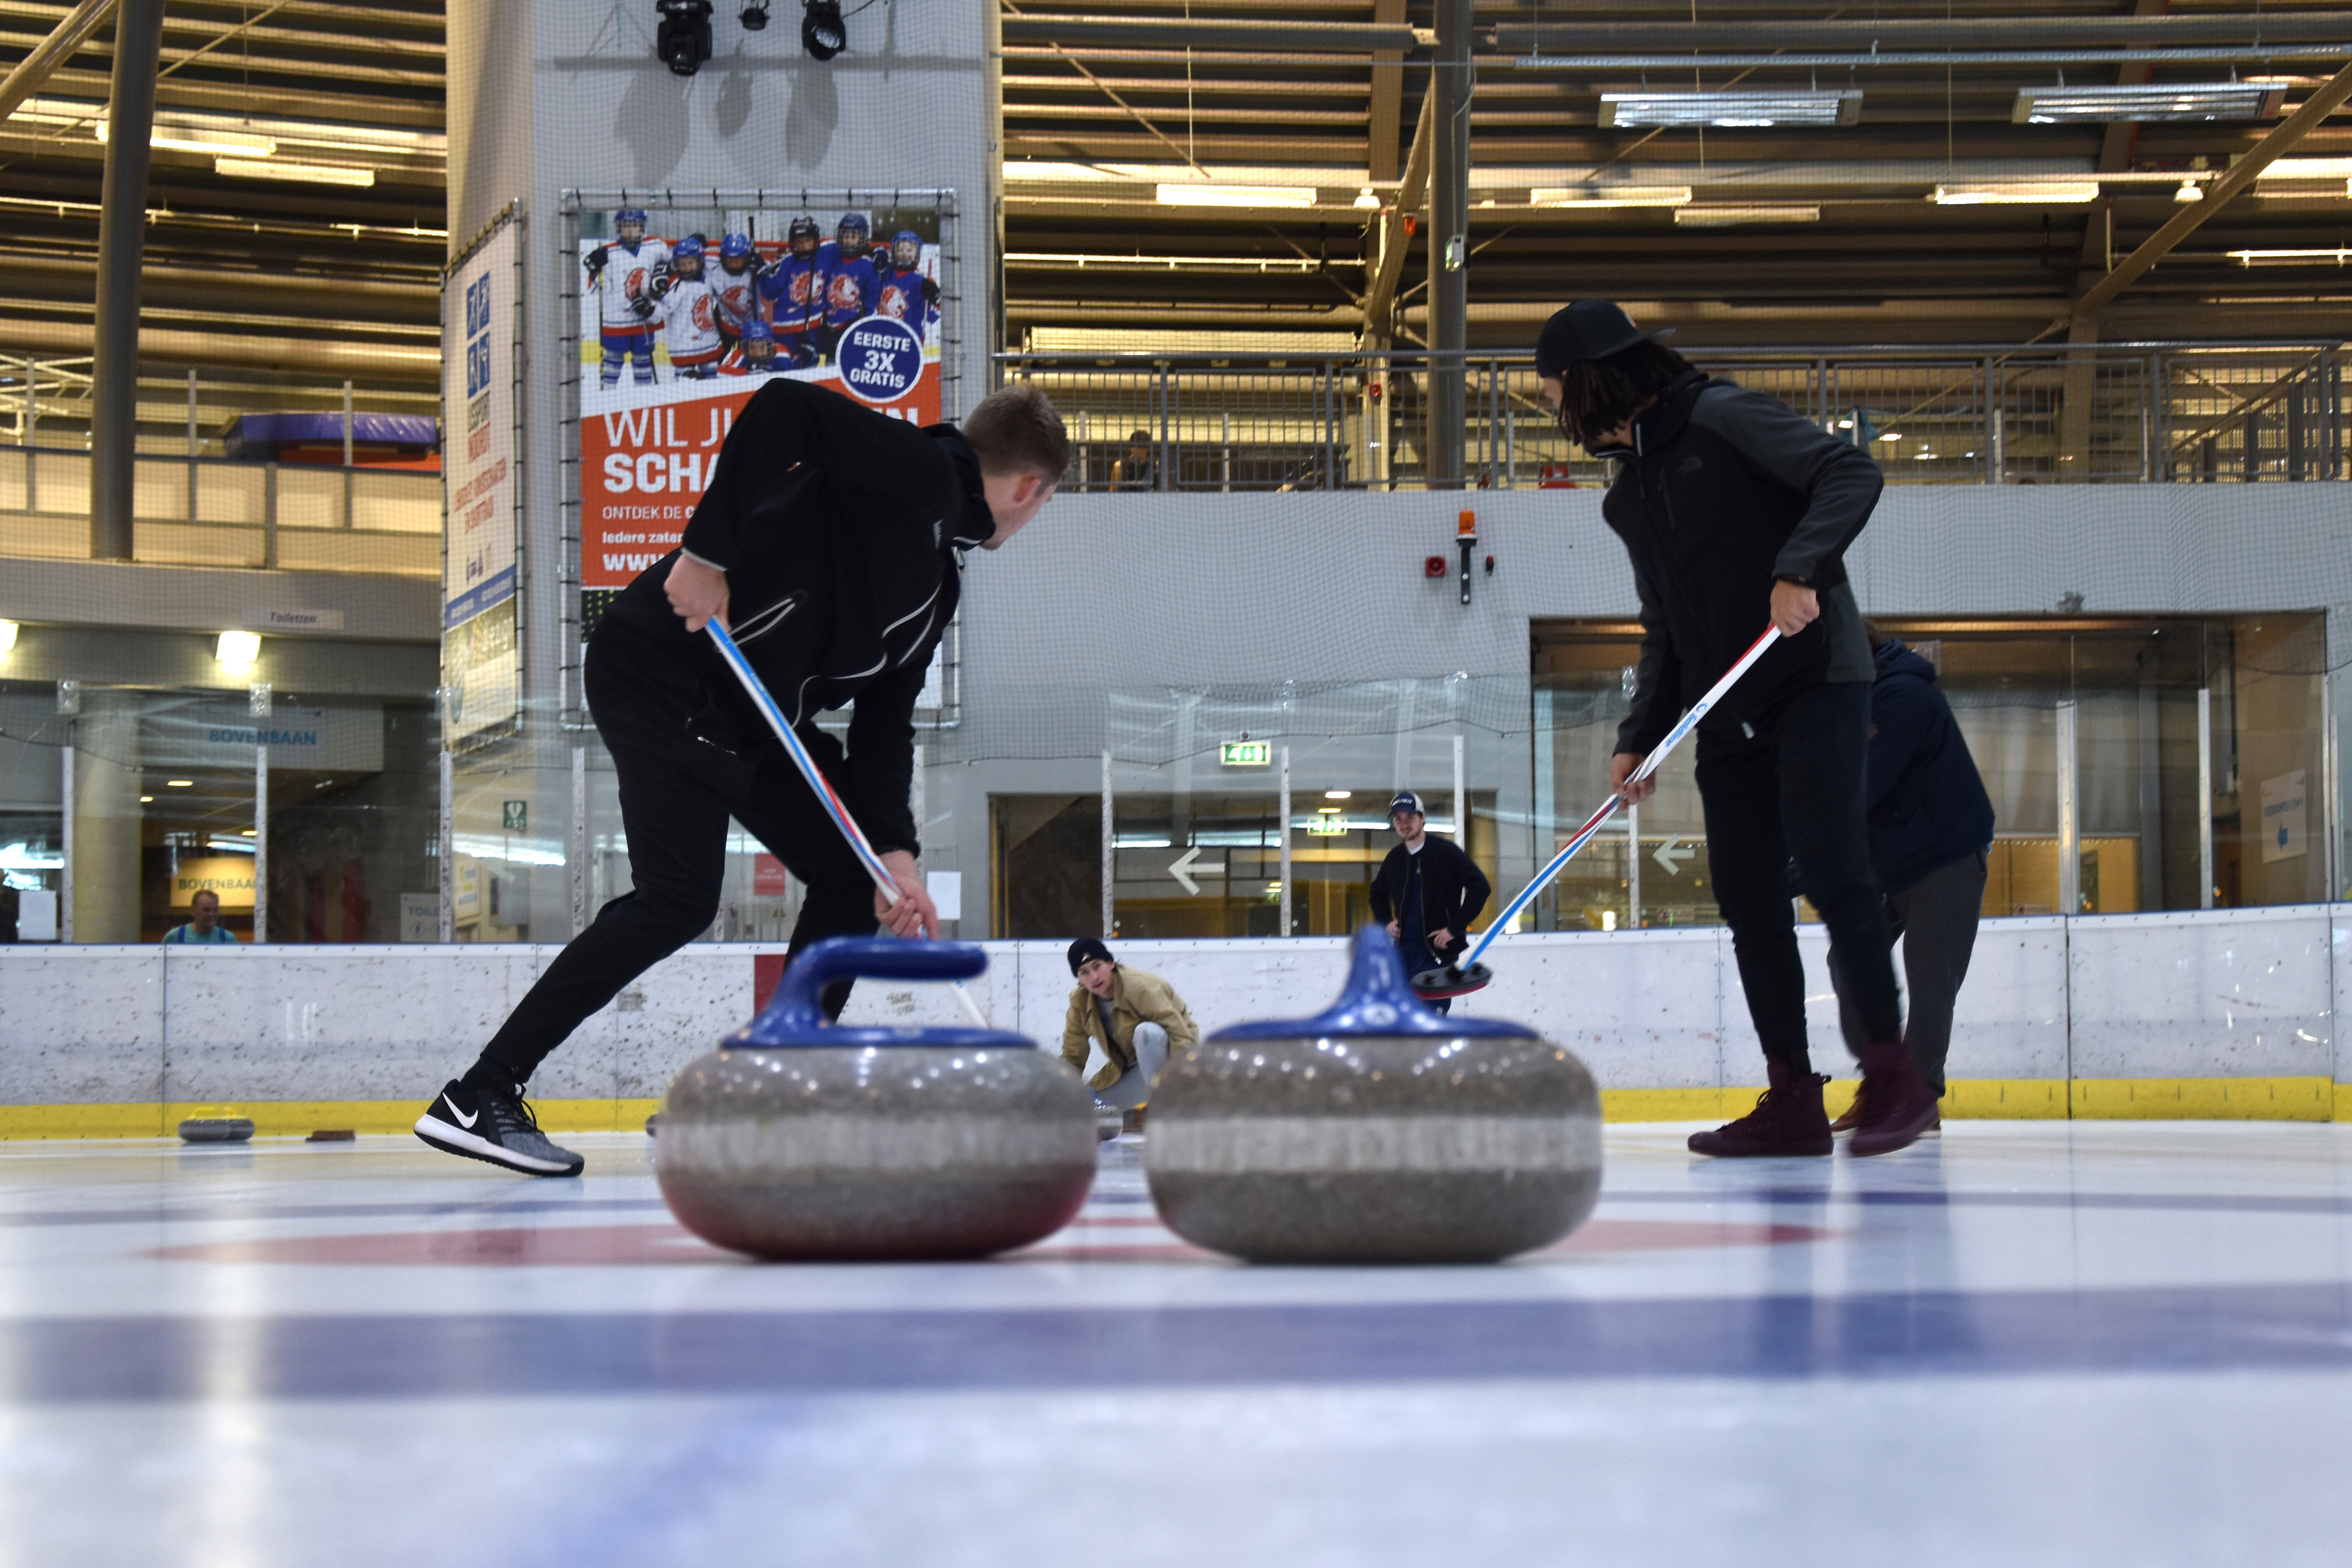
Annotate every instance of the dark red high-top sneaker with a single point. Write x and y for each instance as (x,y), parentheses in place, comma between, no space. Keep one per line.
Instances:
(1787,1121)
(1895,1102)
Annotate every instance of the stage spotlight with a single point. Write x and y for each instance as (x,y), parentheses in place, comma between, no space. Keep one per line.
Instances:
(823,33)
(683,39)
(755,17)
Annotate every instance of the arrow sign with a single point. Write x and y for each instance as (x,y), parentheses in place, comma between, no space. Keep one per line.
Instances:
(1672,859)
(1182,868)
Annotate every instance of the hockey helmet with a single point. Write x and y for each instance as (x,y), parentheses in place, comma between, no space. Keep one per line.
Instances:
(853,224)
(759,341)
(907,250)
(627,217)
(735,248)
(803,227)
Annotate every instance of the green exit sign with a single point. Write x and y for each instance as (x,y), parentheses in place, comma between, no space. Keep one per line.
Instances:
(1245,753)
(1327,826)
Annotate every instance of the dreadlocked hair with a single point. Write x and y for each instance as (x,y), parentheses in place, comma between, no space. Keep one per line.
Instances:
(1599,394)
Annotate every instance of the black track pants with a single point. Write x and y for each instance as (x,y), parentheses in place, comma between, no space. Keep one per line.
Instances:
(1794,791)
(1935,920)
(676,795)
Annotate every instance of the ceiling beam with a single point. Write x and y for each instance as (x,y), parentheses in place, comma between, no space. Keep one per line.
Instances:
(51,52)
(1388,96)
(2247,26)
(2323,101)
(1380,293)
(1270,37)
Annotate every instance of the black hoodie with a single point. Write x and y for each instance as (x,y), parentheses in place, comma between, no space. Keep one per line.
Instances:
(1722,492)
(1927,802)
(839,530)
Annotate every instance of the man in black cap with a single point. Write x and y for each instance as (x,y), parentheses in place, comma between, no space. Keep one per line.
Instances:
(1121,1025)
(1737,513)
(1427,893)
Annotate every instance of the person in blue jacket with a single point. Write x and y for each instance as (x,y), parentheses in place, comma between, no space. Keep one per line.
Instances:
(1930,826)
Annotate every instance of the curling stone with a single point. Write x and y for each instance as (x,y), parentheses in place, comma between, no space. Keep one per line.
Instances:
(1378,1132)
(797,1140)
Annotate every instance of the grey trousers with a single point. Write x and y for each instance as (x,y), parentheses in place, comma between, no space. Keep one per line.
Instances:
(1936,918)
(1134,1085)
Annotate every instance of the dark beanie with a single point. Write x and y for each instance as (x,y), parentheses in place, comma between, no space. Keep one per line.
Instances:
(1085,950)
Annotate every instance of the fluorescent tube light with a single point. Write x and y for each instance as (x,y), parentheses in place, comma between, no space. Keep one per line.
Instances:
(1207,196)
(2175,100)
(1584,198)
(300,174)
(1715,215)
(196,139)
(1731,109)
(2051,193)
(2289,257)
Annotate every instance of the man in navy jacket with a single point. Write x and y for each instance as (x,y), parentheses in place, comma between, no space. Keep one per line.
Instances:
(1930,824)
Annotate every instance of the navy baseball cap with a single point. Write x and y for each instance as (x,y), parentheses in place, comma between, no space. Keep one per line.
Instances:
(1408,801)
(1588,330)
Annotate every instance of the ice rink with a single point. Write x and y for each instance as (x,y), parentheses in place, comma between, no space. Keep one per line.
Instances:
(2022,1343)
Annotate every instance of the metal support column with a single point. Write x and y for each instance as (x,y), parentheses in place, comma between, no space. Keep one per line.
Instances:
(1460,798)
(66,845)
(579,856)
(261,834)
(1284,829)
(1109,868)
(347,452)
(121,242)
(1451,78)
(2069,834)
(2204,797)
(1633,867)
(449,845)
(192,445)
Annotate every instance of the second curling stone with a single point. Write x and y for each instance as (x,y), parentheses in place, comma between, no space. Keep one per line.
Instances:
(1378,1132)
(803,1140)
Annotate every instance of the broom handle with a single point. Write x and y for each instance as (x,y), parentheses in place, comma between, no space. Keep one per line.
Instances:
(1674,737)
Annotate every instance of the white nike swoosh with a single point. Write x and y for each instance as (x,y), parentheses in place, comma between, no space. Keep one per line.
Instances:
(464,1121)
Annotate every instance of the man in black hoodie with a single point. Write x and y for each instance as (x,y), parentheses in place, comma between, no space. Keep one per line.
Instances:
(1737,512)
(1930,824)
(829,543)
(1427,893)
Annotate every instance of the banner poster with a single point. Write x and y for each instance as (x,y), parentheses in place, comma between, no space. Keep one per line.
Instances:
(685,313)
(481,322)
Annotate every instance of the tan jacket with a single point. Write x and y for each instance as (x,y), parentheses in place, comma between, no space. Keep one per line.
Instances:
(1136,998)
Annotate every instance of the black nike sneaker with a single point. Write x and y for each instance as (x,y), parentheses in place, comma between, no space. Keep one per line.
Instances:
(483,1125)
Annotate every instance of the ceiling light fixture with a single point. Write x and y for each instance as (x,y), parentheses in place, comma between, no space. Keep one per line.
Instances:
(2289,257)
(2173,101)
(1725,215)
(1366,201)
(1338,795)
(2020,193)
(8,636)
(822,32)
(2190,191)
(1731,110)
(179,783)
(299,173)
(198,139)
(1213,195)
(1590,199)
(237,648)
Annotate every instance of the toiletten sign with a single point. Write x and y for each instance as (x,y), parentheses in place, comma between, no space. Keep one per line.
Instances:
(2285,817)
(482,520)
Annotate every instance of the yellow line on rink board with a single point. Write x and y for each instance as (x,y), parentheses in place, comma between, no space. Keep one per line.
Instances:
(2001,1100)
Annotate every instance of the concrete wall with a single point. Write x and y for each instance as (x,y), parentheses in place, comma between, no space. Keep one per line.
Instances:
(2223,1014)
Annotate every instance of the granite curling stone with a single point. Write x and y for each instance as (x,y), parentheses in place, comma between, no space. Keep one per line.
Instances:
(1378,1132)
(799,1140)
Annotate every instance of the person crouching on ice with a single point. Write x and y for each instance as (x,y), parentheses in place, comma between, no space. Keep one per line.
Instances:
(1737,513)
(1121,1025)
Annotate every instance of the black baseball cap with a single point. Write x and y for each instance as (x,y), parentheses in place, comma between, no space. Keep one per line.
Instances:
(1588,330)
(1085,950)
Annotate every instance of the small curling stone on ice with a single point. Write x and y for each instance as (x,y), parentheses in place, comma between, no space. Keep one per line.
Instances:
(1378,1132)
(215,1129)
(797,1140)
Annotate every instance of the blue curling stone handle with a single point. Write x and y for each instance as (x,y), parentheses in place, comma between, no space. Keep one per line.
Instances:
(1378,999)
(795,1016)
